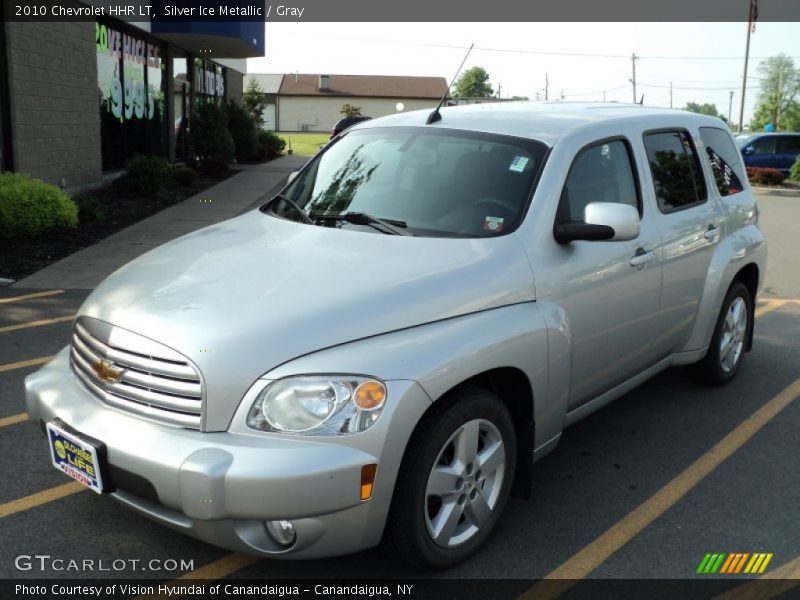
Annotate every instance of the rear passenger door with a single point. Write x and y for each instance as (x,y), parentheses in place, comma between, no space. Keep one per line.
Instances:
(787,149)
(690,222)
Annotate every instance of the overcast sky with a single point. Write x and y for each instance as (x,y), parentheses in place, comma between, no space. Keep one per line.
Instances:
(513,53)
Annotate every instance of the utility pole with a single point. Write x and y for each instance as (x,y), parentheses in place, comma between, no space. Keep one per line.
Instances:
(546,86)
(499,88)
(670,94)
(778,114)
(750,21)
(730,107)
(633,79)
(604,95)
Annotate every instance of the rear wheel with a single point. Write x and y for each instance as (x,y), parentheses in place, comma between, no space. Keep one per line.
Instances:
(733,329)
(454,481)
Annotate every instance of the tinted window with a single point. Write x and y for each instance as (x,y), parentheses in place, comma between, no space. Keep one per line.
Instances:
(600,173)
(724,159)
(438,182)
(789,144)
(764,145)
(676,170)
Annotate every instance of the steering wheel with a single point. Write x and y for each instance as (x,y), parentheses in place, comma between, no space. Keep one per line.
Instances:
(507,206)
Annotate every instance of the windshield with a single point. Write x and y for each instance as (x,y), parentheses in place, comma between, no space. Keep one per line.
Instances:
(742,140)
(430,182)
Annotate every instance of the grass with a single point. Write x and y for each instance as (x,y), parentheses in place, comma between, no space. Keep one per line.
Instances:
(304,144)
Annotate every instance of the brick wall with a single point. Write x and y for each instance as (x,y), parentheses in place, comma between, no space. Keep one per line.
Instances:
(54,102)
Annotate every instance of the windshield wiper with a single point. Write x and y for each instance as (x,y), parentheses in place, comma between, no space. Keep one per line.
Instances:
(390,226)
(293,204)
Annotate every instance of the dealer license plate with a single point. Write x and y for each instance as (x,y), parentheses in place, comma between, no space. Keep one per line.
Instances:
(77,457)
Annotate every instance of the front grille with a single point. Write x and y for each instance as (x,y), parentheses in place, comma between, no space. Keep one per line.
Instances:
(155,381)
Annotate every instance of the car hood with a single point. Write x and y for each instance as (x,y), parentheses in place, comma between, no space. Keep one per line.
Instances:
(241,297)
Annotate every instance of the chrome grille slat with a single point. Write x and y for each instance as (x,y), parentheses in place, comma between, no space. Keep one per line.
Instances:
(122,358)
(152,383)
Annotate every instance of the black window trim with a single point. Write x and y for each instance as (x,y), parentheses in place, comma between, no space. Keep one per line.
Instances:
(698,201)
(634,170)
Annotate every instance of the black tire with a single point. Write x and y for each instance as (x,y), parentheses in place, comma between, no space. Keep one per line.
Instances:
(407,529)
(711,370)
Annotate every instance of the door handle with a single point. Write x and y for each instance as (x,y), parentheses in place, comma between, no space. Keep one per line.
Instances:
(642,257)
(712,233)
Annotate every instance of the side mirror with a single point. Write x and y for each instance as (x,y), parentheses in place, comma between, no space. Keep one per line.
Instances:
(292,176)
(602,221)
(749,150)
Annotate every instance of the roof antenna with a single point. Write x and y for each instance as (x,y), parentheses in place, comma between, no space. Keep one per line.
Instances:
(435,115)
(641,100)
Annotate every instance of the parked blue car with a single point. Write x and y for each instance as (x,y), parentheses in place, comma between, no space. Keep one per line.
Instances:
(775,150)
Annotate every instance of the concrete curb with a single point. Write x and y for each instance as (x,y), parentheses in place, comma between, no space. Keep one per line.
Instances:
(787,192)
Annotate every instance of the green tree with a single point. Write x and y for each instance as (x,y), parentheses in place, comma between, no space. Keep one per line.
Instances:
(254,101)
(348,110)
(520,98)
(779,98)
(703,109)
(473,83)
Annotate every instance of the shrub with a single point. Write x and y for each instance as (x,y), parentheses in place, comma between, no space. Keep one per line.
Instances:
(212,139)
(243,131)
(146,174)
(212,166)
(794,172)
(270,145)
(765,176)
(90,209)
(185,176)
(29,206)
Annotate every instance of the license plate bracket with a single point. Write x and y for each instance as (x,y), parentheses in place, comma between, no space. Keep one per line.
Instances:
(78,455)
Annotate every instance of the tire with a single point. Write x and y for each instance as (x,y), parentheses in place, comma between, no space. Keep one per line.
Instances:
(442,477)
(729,342)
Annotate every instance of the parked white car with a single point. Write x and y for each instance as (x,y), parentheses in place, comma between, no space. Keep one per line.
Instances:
(386,347)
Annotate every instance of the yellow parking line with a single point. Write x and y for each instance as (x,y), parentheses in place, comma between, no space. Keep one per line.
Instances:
(30,296)
(592,556)
(39,498)
(18,326)
(780,581)
(24,363)
(222,567)
(13,419)
(769,306)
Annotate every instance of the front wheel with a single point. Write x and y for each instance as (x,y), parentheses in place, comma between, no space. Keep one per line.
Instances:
(733,329)
(454,481)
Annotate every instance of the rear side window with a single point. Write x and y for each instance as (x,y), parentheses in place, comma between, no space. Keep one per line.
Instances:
(789,144)
(600,173)
(676,172)
(724,159)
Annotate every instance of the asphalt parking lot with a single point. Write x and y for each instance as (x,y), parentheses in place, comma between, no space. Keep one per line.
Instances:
(644,488)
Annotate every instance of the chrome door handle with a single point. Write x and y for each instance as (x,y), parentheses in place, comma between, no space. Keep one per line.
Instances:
(642,257)
(712,233)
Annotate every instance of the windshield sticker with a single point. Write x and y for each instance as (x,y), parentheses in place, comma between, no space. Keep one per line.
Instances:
(494,224)
(518,164)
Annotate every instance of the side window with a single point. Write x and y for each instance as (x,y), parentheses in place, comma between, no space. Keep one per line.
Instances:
(600,173)
(789,144)
(676,172)
(764,145)
(724,159)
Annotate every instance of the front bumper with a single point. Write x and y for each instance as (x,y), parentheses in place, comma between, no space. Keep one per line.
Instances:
(221,487)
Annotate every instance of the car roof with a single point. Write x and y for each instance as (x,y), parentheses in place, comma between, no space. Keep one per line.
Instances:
(542,121)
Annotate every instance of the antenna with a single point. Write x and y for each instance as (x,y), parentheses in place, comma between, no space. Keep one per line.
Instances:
(641,100)
(435,115)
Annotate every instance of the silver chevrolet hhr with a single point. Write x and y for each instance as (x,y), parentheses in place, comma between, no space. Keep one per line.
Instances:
(384,348)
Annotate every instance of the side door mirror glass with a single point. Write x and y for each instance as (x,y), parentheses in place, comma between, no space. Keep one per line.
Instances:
(749,150)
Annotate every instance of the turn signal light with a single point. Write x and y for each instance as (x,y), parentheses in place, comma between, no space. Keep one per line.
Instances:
(370,395)
(367,480)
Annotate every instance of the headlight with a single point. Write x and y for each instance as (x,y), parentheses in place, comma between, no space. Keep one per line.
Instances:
(318,405)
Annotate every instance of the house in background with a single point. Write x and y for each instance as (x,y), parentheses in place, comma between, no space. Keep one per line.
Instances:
(269,84)
(308,102)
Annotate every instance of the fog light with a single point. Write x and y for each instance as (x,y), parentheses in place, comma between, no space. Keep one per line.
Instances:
(282,532)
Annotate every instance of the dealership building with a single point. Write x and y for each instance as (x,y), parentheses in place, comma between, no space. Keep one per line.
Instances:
(78,99)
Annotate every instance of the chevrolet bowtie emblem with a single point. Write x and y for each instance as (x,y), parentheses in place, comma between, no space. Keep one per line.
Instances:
(106,371)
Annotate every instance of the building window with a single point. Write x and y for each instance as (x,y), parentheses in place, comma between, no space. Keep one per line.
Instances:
(132,88)
(209,81)
(181,94)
